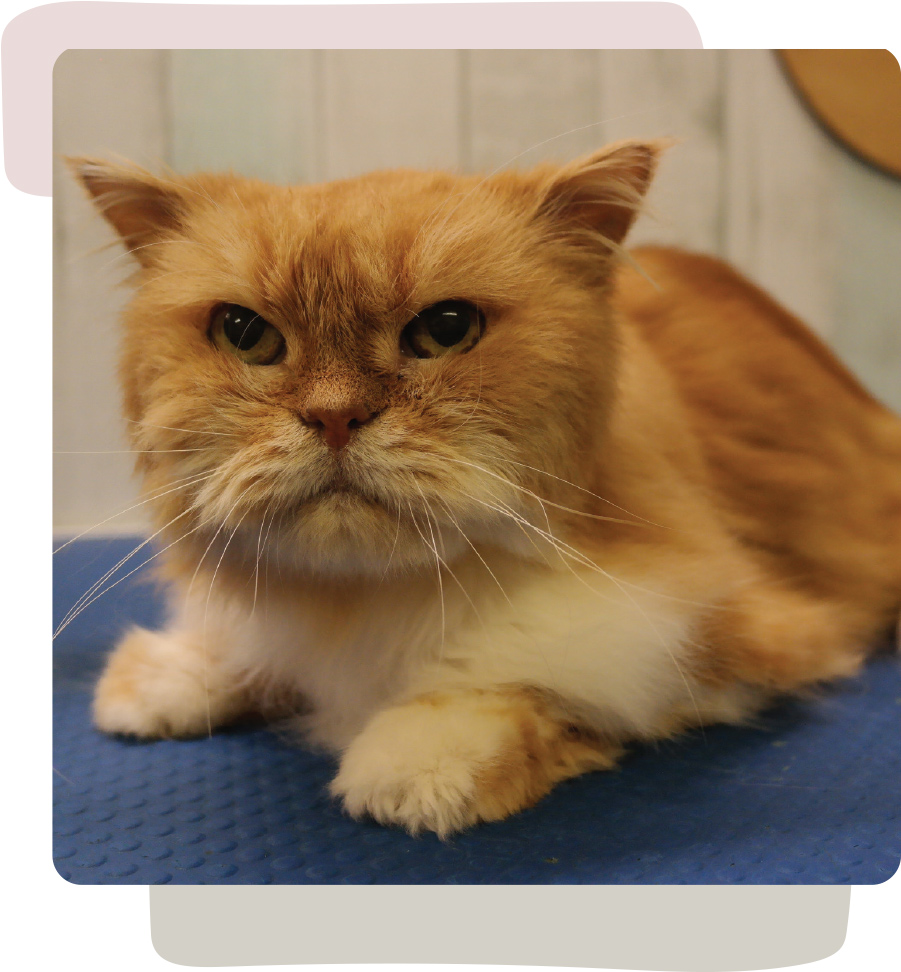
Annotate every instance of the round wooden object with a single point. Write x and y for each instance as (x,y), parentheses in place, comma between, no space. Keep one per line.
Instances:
(857,96)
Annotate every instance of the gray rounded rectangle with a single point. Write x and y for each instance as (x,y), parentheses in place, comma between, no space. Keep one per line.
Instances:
(702,928)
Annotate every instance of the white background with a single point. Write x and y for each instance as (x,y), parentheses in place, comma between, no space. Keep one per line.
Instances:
(51,924)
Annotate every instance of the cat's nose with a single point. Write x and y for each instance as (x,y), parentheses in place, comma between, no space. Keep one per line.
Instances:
(336,424)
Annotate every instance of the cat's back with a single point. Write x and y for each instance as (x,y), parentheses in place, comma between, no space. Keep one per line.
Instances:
(739,358)
(798,449)
(712,327)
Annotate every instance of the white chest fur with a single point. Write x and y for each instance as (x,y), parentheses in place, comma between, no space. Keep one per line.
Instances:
(613,650)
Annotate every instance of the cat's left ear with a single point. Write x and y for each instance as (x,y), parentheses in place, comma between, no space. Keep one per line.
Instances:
(141,207)
(594,200)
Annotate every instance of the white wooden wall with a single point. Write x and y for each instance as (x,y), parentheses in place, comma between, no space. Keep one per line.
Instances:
(753,180)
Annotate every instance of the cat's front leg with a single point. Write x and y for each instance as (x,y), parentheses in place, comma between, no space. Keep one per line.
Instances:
(449,759)
(163,684)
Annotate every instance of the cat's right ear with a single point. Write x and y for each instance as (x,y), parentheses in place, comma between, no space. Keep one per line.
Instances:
(142,208)
(593,201)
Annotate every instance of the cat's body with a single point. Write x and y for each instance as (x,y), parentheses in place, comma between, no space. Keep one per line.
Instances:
(622,504)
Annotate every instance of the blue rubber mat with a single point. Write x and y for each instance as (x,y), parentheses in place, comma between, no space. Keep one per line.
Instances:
(813,796)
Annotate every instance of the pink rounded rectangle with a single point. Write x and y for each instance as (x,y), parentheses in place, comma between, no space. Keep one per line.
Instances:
(33,41)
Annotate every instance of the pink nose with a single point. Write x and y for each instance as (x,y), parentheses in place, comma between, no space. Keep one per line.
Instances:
(336,424)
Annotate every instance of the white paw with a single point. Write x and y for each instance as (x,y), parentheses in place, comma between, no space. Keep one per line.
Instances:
(154,686)
(417,766)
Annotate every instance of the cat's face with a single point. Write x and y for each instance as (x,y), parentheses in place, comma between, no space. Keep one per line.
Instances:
(364,371)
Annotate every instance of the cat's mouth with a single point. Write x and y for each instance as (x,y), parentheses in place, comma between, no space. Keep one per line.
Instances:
(342,488)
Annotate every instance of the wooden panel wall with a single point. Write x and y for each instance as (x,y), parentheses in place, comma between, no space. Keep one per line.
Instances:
(104,103)
(752,178)
(250,111)
(779,189)
(384,109)
(678,94)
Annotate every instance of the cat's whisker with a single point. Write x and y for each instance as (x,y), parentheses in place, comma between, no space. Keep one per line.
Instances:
(528,536)
(206,611)
(443,563)
(239,200)
(78,606)
(134,249)
(562,548)
(511,514)
(152,281)
(266,545)
(278,551)
(568,551)
(87,604)
(524,489)
(256,566)
(118,452)
(136,506)
(63,775)
(573,552)
(393,548)
(434,549)
(172,428)
(585,561)
(430,516)
(588,492)
(523,523)
(547,521)
(462,533)
(221,527)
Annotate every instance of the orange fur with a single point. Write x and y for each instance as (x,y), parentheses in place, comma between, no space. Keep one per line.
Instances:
(804,464)
(647,498)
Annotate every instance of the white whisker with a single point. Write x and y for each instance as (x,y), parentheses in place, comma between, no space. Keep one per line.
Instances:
(206,611)
(119,581)
(586,561)
(136,506)
(443,563)
(524,489)
(213,540)
(256,566)
(393,548)
(590,493)
(76,608)
(172,428)
(456,523)
(434,549)
(116,452)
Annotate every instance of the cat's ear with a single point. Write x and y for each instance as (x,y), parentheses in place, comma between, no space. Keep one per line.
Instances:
(594,200)
(141,207)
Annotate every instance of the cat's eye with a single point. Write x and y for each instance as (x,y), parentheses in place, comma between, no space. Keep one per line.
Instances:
(243,333)
(451,327)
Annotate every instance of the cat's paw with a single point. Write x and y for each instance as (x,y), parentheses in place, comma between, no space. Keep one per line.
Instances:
(409,768)
(447,761)
(156,686)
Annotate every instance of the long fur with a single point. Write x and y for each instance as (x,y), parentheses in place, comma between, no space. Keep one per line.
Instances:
(647,499)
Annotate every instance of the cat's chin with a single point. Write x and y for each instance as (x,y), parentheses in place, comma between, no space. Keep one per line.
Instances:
(343,533)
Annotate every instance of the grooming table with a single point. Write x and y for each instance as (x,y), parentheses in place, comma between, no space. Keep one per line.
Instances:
(810,796)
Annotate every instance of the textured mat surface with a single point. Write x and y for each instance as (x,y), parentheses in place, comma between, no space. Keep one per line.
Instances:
(811,797)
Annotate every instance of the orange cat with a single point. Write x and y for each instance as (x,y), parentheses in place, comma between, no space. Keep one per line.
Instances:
(479,500)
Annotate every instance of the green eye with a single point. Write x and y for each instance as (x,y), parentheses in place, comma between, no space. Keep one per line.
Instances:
(451,327)
(243,333)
